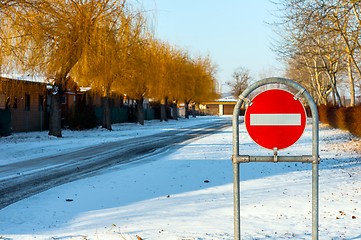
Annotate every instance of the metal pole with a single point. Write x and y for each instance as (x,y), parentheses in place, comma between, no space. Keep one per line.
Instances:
(236,178)
(315,170)
(237,204)
(315,201)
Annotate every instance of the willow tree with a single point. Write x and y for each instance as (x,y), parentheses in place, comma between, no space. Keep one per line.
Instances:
(205,89)
(143,73)
(52,37)
(3,22)
(183,78)
(162,56)
(166,79)
(105,66)
(179,76)
(10,34)
(201,82)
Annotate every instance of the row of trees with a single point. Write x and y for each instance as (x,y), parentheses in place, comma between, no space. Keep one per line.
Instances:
(321,43)
(105,44)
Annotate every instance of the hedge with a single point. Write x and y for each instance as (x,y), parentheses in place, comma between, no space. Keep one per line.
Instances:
(353,116)
(344,118)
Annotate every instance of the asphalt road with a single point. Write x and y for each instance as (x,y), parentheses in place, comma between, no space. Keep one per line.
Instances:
(24,179)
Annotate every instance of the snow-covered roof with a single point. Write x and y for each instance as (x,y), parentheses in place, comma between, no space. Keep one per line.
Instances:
(227,100)
(85,89)
(25,77)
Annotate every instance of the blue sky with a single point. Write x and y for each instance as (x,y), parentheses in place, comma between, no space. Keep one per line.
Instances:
(233,32)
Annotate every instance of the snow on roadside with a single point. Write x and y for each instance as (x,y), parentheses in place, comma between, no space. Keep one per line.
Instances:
(186,194)
(25,145)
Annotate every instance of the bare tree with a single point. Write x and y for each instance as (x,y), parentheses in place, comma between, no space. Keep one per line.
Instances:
(345,16)
(323,36)
(241,78)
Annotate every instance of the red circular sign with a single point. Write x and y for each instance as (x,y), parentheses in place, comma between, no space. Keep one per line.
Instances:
(275,119)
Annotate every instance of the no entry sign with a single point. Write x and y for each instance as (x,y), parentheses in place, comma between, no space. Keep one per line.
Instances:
(275,119)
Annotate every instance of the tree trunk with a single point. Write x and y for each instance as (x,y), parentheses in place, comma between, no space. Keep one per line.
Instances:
(335,93)
(334,102)
(351,80)
(140,111)
(331,70)
(163,110)
(55,115)
(320,86)
(175,111)
(193,110)
(186,109)
(107,115)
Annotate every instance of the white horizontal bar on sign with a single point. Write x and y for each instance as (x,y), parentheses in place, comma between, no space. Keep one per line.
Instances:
(275,119)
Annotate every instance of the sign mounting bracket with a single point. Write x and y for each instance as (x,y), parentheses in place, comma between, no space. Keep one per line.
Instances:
(275,153)
(298,95)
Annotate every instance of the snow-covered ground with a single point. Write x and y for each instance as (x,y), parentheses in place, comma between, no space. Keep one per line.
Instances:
(186,193)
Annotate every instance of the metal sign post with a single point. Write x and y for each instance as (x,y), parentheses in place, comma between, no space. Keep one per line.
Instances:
(313,159)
